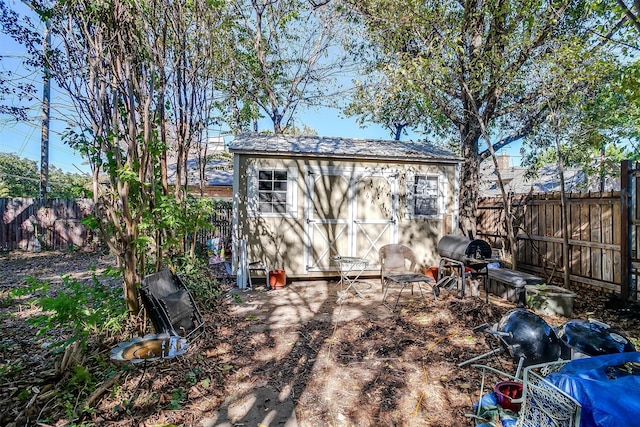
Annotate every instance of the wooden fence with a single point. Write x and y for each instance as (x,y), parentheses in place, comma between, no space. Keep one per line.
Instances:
(220,219)
(603,233)
(33,224)
(631,241)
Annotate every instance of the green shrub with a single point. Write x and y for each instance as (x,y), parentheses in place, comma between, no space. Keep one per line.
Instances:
(198,278)
(74,312)
(538,300)
(84,309)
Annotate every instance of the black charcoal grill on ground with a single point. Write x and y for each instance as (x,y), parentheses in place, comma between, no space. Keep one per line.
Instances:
(527,338)
(465,258)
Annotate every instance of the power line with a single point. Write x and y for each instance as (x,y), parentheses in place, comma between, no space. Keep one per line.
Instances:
(27,178)
(24,143)
(62,155)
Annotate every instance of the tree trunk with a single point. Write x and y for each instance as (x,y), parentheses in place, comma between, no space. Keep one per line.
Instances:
(277,122)
(131,281)
(398,131)
(566,262)
(469,180)
(508,214)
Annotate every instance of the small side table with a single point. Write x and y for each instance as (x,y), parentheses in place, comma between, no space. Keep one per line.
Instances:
(350,270)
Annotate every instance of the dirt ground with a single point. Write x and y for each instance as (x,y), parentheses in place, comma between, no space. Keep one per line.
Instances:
(288,357)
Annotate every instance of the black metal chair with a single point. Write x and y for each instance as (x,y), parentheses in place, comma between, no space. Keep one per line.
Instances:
(170,305)
(395,271)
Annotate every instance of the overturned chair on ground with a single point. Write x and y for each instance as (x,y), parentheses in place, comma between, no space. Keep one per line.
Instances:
(539,403)
(397,268)
(170,305)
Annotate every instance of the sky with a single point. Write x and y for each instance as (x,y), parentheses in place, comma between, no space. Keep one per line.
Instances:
(24,138)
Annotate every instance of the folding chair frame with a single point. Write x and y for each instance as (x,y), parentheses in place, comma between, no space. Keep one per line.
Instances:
(157,311)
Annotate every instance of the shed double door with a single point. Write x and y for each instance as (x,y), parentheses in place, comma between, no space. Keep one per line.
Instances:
(348,212)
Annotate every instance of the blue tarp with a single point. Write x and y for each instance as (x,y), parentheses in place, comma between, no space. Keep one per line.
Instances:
(607,387)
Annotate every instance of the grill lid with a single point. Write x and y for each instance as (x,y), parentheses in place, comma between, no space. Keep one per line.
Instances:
(593,338)
(463,249)
(529,337)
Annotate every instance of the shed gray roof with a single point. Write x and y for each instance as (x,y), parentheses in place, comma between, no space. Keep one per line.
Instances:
(322,146)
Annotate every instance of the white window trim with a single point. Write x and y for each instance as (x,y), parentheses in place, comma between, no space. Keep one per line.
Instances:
(252,193)
(410,196)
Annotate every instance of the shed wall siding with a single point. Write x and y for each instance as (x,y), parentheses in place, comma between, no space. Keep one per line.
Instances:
(279,241)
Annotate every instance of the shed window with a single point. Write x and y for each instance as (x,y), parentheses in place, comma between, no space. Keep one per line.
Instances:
(425,195)
(272,191)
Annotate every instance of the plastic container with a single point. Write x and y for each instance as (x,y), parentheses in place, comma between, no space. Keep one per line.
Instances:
(431,272)
(509,395)
(551,300)
(277,279)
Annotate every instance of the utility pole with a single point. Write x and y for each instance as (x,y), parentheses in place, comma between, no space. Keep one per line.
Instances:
(46,110)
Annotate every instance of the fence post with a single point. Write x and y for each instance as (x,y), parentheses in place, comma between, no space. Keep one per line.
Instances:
(625,232)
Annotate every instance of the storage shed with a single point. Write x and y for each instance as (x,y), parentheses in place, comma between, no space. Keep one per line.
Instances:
(301,200)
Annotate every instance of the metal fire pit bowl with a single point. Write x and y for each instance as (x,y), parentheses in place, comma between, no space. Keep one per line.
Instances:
(149,348)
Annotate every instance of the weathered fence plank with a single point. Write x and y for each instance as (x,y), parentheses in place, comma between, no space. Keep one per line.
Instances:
(585,251)
(33,224)
(595,226)
(594,235)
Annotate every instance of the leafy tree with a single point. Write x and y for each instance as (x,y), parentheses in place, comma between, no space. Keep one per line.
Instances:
(628,13)
(388,103)
(287,57)
(14,89)
(18,176)
(68,185)
(613,113)
(140,77)
(483,64)
(301,130)
(599,127)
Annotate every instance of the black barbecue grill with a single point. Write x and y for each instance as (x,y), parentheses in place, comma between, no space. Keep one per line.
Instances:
(464,250)
(527,338)
(465,258)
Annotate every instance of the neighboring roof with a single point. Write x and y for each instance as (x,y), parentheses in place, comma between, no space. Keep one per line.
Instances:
(218,172)
(322,146)
(546,181)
